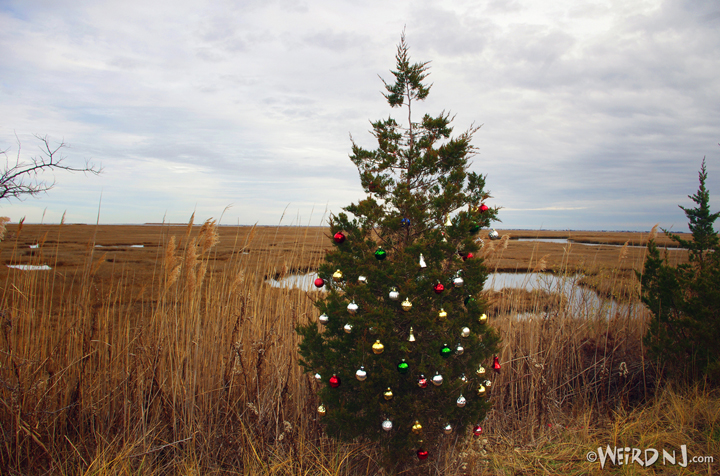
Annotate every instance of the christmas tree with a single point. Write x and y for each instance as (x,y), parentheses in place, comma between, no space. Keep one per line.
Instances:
(402,344)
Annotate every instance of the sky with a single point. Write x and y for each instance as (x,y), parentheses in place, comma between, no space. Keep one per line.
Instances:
(595,114)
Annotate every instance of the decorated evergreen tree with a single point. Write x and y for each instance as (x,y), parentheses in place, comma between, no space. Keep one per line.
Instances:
(402,344)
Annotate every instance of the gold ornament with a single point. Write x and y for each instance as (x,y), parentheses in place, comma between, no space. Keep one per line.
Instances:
(378,348)
(406,305)
(480,371)
(388,394)
(321,410)
(483,319)
(481,390)
(337,276)
(442,314)
(447,220)
(417,428)
(411,338)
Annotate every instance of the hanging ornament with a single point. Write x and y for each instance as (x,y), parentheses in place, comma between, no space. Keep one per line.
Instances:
(488,383)
(422,262)
(465,332)
(337,276)
(362,280)
(474,227)
(348,328)
(321,410)
(469,300)
(461,401)
(417,428)
(422,381)
(387,425)
(480,371)
(318,378)
(388,394)
(406,305)
(323,318)
(444,239)
(405,222)
(481,390)
(467,256)
(483,318)
(319,282)
(463,378)
(403,367)
(477,431)
(446,351)
(448,222)
(459,349)
(496,364)
(438,288)
(339,237)
(378,348)
(411,338)
(442,314)
(380,254)
(458,281)
(494,235)
(334,381)
(437,379)
(447,429)
(394,294)
(422,454)
(352,308)
(483,208)
(361,374)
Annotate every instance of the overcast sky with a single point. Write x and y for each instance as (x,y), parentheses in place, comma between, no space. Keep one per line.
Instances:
(595,114)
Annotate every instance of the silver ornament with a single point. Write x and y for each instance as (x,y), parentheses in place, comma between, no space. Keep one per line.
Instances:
(352,308)
(318,378)
(437,380)
(458,281)
(394,294)
(361,374)
(387,425)
(362,280)
(323,318)
(448,429)
(461,401)
(459,349)
(422,261)
(465,332)
(494,235)
(348,328)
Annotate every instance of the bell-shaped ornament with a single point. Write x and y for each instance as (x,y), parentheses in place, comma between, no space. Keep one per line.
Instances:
(411,337)
(461,402)
(481,390)
(321,410)
(361,374)
(378,348)
(422,261)
(496,364)
(437,380)
(406,305)
(394,294)
(417,428)
(337,276)
(448,222)
(388,394)
(465,332)
(348,328)
(323,318)
(442,314)
(387,425)
(352,308)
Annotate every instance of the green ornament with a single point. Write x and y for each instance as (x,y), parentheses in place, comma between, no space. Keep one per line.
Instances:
(469,299)
(380,254)
(403,367)
(474,228)
(446,351)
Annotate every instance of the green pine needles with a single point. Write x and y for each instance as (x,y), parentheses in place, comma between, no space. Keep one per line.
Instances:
(403,327)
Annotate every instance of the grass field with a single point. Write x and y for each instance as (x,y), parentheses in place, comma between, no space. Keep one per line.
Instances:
(178,358)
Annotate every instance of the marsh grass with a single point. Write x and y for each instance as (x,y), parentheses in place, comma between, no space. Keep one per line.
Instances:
(195,371)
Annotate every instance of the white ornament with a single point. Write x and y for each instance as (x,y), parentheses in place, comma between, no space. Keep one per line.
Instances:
(352,308)
(323,318)
(318,377)
(394,294)
(387,425)
(361,374)
(362,279)
(422,261)
(348,328)
(465,332)
(448,429)
(494,235)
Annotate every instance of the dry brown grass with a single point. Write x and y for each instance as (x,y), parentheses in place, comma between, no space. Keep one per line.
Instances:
(178,358)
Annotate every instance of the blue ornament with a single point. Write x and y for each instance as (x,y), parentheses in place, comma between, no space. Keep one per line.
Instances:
(405,222)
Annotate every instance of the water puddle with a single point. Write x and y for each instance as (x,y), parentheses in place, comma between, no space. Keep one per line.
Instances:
(30,267)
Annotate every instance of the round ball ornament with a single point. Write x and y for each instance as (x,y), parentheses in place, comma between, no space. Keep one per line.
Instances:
(461,402)
(477,430)
(378,348)
(447,429)
(362,280)
(387,425)
(417,428)
(458,281)
(406,305)
(321,410)
(494,235)
(348,328)
(405,222)
(422,382)
(465,332)
(468,256)
(422,454)
(463,378)
(438,288)
(474,228)
(337,276)
(339,238)
(388,394)
(403,367)
(483,318)
(394,294)
(334,381)
(488,383)
(319,282)
(323,318)
(459,349)
(437,380)
(480,371)
(446,351)
(352,308)
(483,208)
(442,314)
(380,254)
(361,374)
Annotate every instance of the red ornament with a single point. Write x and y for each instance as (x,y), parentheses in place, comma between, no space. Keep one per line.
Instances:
(422,382)
(438,288)
(483,208)
(477,430)
(469,255)
(496,364)
(339,237)
(422,454)
(319,282)
(334,381)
